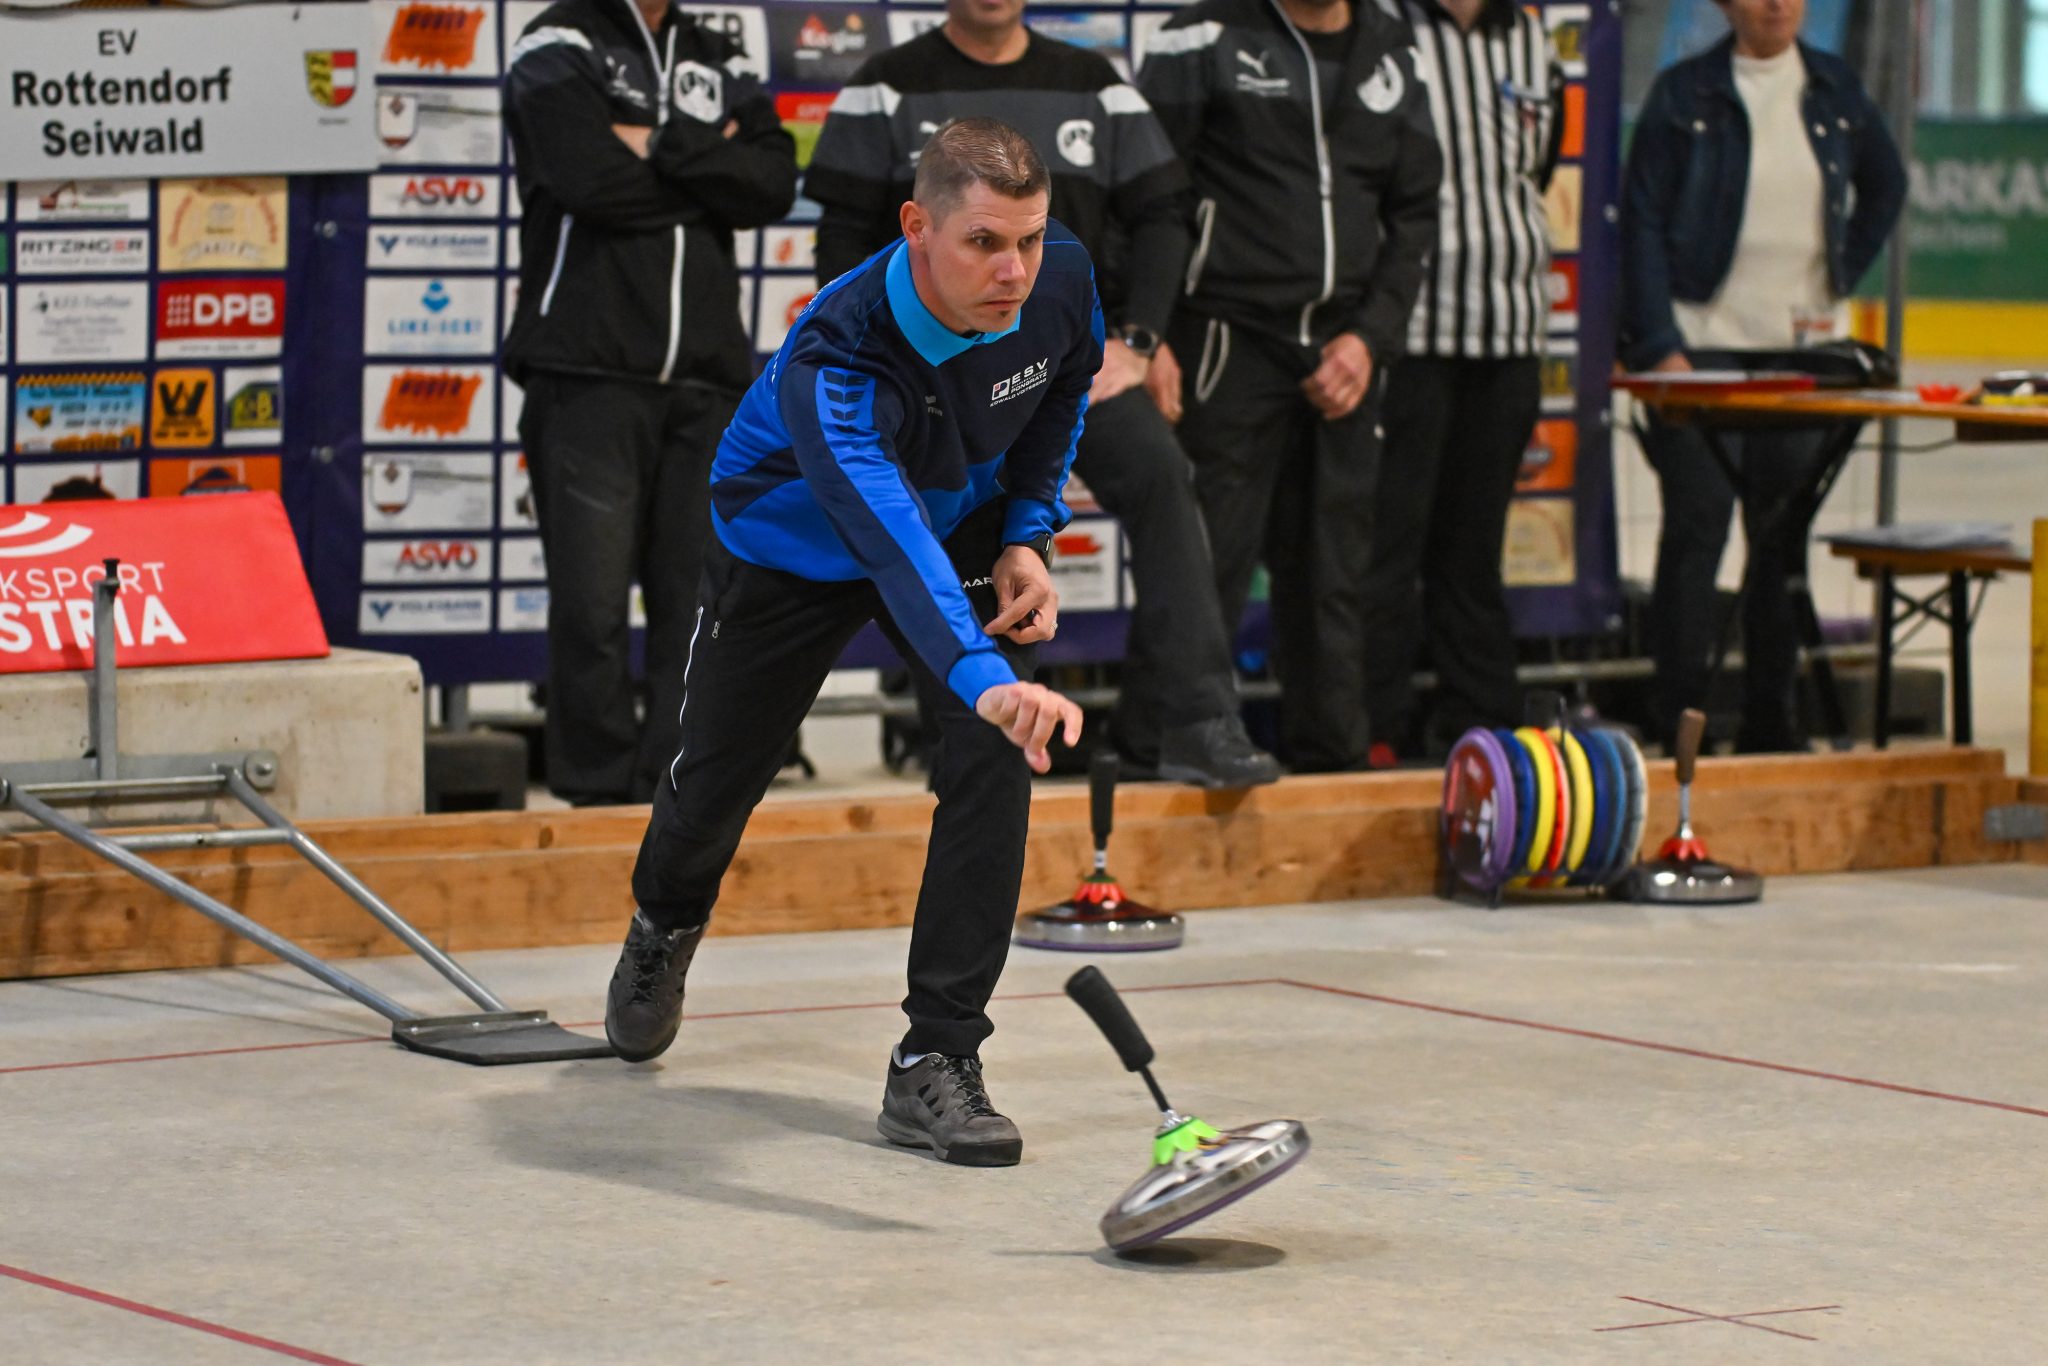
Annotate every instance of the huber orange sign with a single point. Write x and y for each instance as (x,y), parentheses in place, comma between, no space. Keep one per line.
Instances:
(433,36)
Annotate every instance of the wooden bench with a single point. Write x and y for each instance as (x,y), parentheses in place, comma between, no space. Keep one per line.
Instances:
(1949,604)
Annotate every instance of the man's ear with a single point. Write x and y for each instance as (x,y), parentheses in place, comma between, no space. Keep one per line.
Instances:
(916,222)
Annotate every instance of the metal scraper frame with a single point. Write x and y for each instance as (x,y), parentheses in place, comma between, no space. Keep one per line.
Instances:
(498,1034)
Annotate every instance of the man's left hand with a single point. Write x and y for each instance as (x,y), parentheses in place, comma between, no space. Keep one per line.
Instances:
(1027,605)
(1340,383)
(1122,368)
(635,137)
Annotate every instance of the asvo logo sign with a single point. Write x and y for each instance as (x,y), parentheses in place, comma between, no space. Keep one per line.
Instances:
(434,196)
(219,317)
(427,561)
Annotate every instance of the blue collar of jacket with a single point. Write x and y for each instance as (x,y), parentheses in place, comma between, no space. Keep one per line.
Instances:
(935,341)
(1717,68)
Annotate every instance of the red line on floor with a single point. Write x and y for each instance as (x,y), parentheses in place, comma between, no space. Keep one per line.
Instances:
(196,1053)
(166,1316)
(1678,1049)
(1456,1011)
(593,1024)
(1015,996)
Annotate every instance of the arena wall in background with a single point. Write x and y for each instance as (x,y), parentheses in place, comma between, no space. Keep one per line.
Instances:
(343,331)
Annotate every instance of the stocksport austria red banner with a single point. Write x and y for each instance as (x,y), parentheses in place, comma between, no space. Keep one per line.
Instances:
(204,580)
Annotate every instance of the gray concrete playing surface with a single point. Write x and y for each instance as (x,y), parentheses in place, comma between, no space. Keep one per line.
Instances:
(1810,1130)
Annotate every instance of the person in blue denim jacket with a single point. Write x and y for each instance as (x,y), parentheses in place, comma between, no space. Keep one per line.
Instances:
(1761,186)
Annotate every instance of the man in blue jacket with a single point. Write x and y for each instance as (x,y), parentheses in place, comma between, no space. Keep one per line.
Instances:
(901,460)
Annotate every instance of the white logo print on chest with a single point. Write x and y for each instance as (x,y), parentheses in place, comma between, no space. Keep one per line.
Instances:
(622,86)
(698,91)
(1076,141)
(1023,382)
(1256,80)
(1383,90)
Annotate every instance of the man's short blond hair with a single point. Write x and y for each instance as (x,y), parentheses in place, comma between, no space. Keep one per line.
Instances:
(978,151)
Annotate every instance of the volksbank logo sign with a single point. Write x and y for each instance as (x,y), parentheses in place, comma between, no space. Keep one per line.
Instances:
(424,613)
(452,248)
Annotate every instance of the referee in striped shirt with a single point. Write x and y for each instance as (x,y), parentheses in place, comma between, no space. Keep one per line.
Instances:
(1462,403)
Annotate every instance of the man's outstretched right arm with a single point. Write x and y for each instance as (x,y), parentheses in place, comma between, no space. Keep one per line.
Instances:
(842,426)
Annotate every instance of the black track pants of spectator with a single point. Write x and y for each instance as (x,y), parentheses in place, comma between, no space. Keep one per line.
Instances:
(621,484)
(1278,483)
(1177,662)
(1684,607)
(764,642)
(1456,433)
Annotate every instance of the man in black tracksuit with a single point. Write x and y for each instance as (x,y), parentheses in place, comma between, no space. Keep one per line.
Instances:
(1306,130)
(640,146)
(1118,188)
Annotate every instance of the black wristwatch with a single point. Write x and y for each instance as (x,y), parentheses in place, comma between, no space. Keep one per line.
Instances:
(1139,338)
(1043,545)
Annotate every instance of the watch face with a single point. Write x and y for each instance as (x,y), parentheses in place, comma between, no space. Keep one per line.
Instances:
(1142,340)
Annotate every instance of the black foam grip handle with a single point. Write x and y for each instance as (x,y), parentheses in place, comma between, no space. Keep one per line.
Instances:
(1102,775)
(1692,728)
(1093,993)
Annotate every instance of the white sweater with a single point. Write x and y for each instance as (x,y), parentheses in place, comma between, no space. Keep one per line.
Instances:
(1781,267)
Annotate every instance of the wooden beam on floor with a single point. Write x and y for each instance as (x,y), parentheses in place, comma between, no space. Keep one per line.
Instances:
(2034,790)
(530,879)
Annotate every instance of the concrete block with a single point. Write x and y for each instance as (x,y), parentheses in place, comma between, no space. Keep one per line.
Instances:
(348,730)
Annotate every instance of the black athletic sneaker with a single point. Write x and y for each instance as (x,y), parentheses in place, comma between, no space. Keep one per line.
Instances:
(645,1007)
(1215,753)
(939,1102)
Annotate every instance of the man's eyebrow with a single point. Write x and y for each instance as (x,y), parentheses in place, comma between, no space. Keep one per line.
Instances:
(984,229)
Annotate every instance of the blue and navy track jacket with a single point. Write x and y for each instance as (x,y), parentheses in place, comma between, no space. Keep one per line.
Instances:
(876,430)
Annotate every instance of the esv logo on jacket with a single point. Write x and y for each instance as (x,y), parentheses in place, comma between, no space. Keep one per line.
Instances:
(1023,382)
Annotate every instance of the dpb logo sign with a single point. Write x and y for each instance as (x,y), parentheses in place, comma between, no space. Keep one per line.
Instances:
(220,317)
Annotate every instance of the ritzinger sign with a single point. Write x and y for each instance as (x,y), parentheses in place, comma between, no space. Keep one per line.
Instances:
(250,88)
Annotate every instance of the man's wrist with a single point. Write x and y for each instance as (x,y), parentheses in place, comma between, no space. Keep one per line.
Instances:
(1142,340)
(1041,545)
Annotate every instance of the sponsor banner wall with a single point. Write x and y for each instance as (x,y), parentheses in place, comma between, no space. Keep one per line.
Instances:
(170,332)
